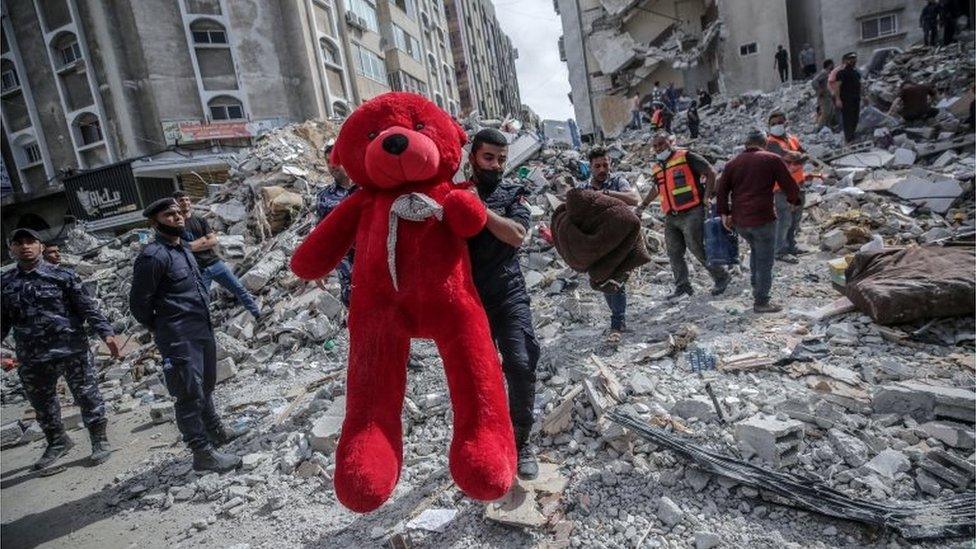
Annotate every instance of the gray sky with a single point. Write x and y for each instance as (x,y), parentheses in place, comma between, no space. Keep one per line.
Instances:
(535,29)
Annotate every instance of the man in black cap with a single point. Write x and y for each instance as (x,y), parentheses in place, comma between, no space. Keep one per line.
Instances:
(203,242)
(848,95)
(46,307)
(498,278)
(169,299)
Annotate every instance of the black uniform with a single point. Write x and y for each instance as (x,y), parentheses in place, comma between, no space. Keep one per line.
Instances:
(168,298)
(47,308)
(849,80)
(498,277)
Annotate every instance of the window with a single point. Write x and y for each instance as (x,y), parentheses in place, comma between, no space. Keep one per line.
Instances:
(208,32)
(330,52)
(208,7)
(407,6)
(89,129)
(340,109)
(401,81)
(879,27)
(367,11)
(370,65)
(404,42)
(32,153)
(748,49)
(225,108)
(69,52)
(8,77)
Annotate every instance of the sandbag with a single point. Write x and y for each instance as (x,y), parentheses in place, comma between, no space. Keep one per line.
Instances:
(900,285)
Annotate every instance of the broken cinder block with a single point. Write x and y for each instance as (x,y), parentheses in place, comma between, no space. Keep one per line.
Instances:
(774,441)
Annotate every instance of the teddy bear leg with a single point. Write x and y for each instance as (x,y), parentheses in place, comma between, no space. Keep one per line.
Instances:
(482,459)
(370,450)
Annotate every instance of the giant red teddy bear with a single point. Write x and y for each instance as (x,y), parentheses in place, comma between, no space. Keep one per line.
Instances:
(412,279)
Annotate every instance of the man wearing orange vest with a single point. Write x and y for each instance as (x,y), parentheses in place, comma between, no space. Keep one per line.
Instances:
(678,176)
(788,147)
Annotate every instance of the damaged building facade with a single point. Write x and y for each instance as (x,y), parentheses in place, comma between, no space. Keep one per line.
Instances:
(485,56)
(617,48)
(85,87)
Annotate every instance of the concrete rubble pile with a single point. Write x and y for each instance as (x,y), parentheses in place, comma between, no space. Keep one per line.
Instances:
(884,414)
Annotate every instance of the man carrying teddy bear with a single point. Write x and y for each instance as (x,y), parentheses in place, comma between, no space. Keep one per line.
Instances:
(498,278)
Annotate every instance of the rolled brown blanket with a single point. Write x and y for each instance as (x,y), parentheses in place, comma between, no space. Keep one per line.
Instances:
(599,235)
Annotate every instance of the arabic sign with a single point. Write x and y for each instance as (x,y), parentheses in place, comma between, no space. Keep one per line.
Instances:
(192,131)
(102,193)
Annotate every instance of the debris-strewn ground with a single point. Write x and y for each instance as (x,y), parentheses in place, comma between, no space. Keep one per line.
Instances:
(880,413)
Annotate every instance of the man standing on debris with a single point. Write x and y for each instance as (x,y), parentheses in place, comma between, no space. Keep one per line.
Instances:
(52,253)
(614,185)
(169,299)
(745,202)
(693,120)
(808,60)
(47,308)
(781,143)
(326,201)
(947,16)
(203,242)
(782,62)
(847,97)
(684,181)
(498,278)
(929,21)
(825,101)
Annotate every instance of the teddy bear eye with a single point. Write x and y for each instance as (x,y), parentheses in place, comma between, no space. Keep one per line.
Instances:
(372,135)
(419,126)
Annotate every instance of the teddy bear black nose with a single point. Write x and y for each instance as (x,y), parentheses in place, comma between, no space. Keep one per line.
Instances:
(396,143)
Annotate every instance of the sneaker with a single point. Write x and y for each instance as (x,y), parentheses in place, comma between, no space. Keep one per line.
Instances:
(58,445)
(768,307)
(796,251)
(528,466)
(787,259)
(720,287)
(679,292)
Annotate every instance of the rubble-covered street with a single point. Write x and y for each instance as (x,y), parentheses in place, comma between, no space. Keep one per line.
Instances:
(881,413)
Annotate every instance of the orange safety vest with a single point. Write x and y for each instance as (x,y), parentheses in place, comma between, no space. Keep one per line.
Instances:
(657,118)
(677,186)
(788,144)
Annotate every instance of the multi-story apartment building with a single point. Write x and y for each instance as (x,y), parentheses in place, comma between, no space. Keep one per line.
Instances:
(485,57)
(615,49)
(138,98)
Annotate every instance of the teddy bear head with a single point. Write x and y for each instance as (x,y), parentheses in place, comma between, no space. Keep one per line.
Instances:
(398,139)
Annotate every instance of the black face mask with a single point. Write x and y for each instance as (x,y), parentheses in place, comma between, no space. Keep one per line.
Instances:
(169,231)
(486,181)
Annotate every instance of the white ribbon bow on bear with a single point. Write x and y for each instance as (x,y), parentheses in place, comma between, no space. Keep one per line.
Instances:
(412,207)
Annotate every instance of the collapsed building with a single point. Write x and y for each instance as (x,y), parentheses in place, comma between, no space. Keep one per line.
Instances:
(707,427)
(615,49)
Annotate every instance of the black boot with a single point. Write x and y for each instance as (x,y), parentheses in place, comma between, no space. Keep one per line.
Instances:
(528,467)
(208,459)
(101,449)
(58,444)
(678,292)
(221,435)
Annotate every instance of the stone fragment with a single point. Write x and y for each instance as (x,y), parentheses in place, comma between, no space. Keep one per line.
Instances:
(707,540)
(695,407)
(854,452)
(250,461)
(161,412)
(10,433)
(833,240)
(947,469)
(226,369)
(640,384)
(951,433)
(669,512)
(889,463)
(925,402)
(433,520)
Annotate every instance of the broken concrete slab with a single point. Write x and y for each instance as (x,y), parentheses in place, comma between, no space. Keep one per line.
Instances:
(920,400)
(614,113)
(517,508)
(612,50)
(850,448)
(951,433)
(937,196)
(432,520)
(226,369)
(903,158)
(889,463)
(948,470)
(876,158)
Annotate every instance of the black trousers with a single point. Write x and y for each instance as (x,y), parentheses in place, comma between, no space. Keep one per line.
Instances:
(784,73)
(850,112)
(190,371)
(930,32)
(511,328)
(948,32)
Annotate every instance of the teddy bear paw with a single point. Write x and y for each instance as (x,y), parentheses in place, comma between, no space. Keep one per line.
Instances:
(367,469)
(484,466)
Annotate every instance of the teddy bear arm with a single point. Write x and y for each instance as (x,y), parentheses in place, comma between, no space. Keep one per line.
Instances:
(329,242)
(464,213)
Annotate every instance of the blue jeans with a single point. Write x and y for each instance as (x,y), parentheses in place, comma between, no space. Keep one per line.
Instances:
(762,252)
(220,273)
(787,223)
(618,308)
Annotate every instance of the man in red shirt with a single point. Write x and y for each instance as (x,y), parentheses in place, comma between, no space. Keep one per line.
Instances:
(745,202)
